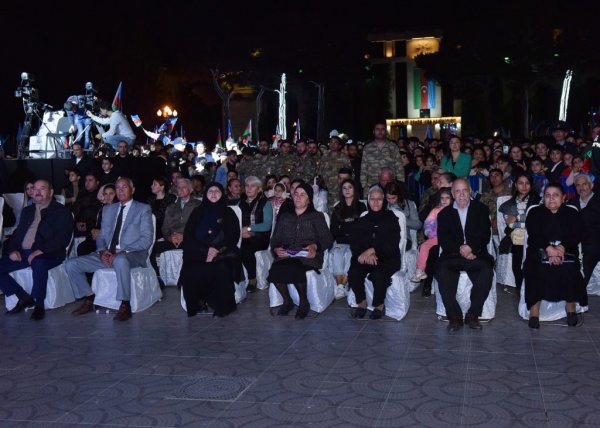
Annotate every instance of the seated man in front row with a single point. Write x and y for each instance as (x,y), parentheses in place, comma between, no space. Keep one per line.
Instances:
(125,237)
(40,241)
(463,235)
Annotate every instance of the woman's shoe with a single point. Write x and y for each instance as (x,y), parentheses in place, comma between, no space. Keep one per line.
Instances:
(302,312)
(377,314)
(572,319)
(534,322)
(358,312)
(285,308)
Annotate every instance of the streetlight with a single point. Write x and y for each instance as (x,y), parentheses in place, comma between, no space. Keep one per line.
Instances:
(166,112)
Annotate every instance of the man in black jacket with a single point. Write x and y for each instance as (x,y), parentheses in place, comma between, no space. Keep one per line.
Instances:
(40,241)
(463,234)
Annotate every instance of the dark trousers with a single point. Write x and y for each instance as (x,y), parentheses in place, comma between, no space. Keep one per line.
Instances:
(591,257)
(40,267)
(481,274)
(380,276)
(517,260)
(159,248)
(432,258)
(258,242)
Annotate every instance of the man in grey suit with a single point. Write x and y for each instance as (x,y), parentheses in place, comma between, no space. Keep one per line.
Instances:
(126,235)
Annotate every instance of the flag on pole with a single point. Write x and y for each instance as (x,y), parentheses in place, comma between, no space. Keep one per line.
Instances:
(429,132)
(168,125)
(152,135)
(136,120)
(297,131)
(229,136)
(117,103)
(276,137)
(247,134)
(219,139)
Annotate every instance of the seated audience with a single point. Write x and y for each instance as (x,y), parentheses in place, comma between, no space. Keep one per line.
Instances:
(299,240)
(514,211)
(125,237)
(257,220)
(108,195)
(397,200)
(159,201)
(211,261)
(39,241)
(551,269)
(374,242)
(343,218)
(234,192)
(463,234)
(176,216)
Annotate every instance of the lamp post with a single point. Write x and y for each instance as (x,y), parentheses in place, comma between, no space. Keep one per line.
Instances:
(166,112)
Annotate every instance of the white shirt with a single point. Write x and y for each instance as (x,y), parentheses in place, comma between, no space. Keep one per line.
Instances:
(462,214)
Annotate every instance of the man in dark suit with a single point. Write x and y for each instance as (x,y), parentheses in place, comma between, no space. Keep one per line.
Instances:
(463,234)
(126,235)
(589,206)
(40,241)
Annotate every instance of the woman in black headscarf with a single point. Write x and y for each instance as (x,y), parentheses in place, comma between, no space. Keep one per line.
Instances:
(299,240)
(375,245)
(211,261)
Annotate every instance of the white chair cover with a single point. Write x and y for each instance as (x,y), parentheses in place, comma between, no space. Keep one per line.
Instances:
(320,287)
(264,260)
(593,287)
(58,291)
(504,272)
(409,261)
(549,311)
(73,249)
(15,201)
(169,266)
(60,199)
(145,290)
(397,296)
(463,294)
(1,222)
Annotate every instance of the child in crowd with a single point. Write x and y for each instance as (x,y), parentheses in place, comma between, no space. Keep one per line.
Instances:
(538,176)
(430,228)
(278,198)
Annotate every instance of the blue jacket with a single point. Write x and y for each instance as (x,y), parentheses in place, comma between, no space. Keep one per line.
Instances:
(54,232)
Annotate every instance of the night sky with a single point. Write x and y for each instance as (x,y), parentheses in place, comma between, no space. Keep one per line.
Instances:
(163,51)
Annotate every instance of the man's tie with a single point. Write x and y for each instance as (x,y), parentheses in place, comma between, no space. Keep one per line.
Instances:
(115,238)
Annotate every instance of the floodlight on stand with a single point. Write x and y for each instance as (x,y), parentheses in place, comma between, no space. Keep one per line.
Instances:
(89,86)
(27,77)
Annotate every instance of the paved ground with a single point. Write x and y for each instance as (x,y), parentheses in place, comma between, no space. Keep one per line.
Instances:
(253,370)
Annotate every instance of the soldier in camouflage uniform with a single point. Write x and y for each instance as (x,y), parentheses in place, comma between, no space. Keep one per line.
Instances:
(489,198)
(329,167)
(263,163)
(245,167)
(285,162)
(379,153)
(306,166)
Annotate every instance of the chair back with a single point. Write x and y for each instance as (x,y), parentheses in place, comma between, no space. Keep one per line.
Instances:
(15,201)
(60,199)
(1,216)
(238,212)
(500,221)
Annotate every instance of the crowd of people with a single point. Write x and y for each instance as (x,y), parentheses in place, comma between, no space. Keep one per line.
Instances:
(447,191)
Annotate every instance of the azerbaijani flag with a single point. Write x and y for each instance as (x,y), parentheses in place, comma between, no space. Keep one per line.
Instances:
(423,90)
(168,125)
(136,120)
(247,134)
(219,139)
(117,103)
(229,136)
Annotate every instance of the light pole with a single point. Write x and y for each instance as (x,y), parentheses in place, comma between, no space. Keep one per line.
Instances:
(166,112)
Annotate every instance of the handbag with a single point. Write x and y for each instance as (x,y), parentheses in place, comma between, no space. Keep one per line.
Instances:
(517,236)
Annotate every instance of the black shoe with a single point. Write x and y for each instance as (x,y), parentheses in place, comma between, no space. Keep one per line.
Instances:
(358,312)
(426,291)
(455,324)
(38,313)
(377,314)
(21,305)
(285,308)
(251,287)
(302,312)
(473,321)
(534,322)
(572,319)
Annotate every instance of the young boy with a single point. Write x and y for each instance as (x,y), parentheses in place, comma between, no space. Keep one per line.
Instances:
(538,176)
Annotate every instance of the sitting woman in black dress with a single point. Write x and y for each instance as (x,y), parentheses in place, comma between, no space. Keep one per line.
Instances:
(375,249)
(551,268)
(299,240)
(211,261)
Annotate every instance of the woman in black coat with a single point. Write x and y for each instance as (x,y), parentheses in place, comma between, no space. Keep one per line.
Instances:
(211,261)
(299,241)
(375,245)
(551,269)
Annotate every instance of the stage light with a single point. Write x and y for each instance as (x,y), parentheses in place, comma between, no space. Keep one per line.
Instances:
(27,77)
